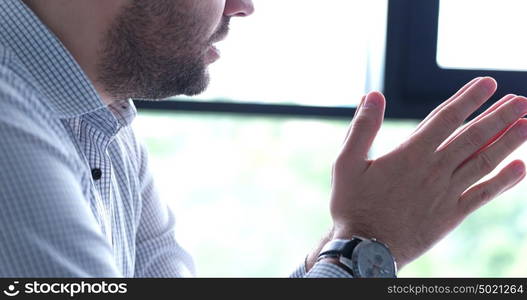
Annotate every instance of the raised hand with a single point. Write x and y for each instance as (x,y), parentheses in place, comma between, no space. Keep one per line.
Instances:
(413,196)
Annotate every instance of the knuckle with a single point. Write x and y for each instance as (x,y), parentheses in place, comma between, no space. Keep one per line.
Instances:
(485,163)
(512,110)
(450,115)
(481,196)
(508,142)
(420,143)
(363,122)
(485,195)
(505,117)
(475,137)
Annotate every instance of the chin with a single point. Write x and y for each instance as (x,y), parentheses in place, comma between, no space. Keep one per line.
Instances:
(198,87)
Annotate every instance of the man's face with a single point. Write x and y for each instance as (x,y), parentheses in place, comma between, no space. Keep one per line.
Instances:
(157,49)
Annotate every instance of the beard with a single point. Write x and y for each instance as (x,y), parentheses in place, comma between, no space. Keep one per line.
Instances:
(155,50)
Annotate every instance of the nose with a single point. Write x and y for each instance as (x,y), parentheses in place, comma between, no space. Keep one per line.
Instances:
(239,8)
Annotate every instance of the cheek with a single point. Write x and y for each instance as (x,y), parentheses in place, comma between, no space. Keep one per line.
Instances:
(211,13)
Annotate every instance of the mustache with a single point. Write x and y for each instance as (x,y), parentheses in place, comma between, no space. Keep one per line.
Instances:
(222,31)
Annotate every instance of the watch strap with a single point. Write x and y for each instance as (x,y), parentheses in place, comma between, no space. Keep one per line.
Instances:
(340,247)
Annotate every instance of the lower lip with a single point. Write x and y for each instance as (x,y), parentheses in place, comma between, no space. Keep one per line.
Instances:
(213,54)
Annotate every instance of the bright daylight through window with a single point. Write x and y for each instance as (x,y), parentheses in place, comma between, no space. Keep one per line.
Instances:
(251,193)
(302,52)
(482,34)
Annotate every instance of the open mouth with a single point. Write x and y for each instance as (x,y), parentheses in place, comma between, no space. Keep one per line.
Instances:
(212,55)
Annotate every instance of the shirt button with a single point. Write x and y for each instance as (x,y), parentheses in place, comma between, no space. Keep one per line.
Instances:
(96,174)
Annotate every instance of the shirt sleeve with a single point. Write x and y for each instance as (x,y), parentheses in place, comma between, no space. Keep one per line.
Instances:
(47,228)
(321,270)
(300,272)
(158,254)
(327,270)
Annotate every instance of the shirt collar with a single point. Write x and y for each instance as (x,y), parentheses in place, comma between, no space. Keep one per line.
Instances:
(124,111)
(55,71)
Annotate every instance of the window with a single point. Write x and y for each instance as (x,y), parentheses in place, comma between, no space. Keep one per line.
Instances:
(251,192)
(300,57)
(430,54)
(482,35)
(302,52)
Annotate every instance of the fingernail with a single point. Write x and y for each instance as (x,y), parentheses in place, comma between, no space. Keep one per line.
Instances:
(370,101)
(488,83)
(518,169)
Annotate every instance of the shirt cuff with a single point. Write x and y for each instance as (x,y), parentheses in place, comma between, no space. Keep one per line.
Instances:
(327,270)
(321,270)
(300,272)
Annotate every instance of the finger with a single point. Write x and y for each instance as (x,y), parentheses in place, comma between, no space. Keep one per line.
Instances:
(485,131)
(443,124)
(495,106)
(454,97)
(352,120)
(482,193)
(489,158)
(359,106)
(365,127)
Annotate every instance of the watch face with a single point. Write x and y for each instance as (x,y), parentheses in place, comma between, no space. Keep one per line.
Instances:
(373,259)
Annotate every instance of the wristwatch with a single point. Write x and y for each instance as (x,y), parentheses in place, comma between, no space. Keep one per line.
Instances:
(361,257)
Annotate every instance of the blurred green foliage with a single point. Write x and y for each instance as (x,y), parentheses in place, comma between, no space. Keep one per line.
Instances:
(251,196)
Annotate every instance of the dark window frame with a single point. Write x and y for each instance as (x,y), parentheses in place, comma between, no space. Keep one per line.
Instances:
(246,108)
(414,83)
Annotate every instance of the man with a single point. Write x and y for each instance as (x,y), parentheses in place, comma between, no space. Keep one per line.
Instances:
(76,192)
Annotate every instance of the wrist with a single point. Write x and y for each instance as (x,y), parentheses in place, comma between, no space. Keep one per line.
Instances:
(346,232)
(360,257)
(312,257)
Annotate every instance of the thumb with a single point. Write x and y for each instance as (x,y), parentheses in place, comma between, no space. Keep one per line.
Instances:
(364,128)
